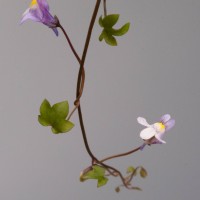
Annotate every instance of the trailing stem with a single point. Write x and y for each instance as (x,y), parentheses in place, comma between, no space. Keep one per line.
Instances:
(80,86)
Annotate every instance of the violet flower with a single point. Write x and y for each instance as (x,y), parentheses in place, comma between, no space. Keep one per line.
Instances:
(38,11)
(154,133)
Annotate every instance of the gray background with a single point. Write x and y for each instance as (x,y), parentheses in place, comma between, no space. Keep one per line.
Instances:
(154,70)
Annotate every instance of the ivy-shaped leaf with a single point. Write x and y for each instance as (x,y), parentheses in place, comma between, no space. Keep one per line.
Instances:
(119,32)
(110,20)
(97,173)
(108,31)
(109,39)
(55,116)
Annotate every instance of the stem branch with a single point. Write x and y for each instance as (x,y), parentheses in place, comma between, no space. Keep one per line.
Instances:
(78,92)
(70,43)
(120,155)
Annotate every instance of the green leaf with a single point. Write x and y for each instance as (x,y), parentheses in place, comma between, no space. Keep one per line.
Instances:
(54,130)
(102,181)
(55,116)
(130,169)
(110,20)
(143,172)
(108,32)
(101,21)
(119,32)
(97,173)
(62,126)
(43,121)
(61,109)
(109,39)
(136,188)
(101,37)
(45,108)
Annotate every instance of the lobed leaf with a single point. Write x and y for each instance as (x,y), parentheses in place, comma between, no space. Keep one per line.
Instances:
(62,126)
(43,121)
(109,32)
(110,20)
(101,21)
(61,109)
(45,109)
(109,39)
(55,116)
(119,32)
(97,173)
(102,181)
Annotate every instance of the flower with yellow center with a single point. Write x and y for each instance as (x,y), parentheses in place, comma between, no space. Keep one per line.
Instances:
(38,11)
(153,134)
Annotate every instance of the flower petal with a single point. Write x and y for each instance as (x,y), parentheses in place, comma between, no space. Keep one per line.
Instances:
(143,121)
(43,4)
(159,138)
(169,124)
(48,19)
(165,118)
(147,133)
(55,31)
(29,15)
(142,146)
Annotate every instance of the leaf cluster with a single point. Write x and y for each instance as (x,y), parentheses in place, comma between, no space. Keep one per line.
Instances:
(132,172)
(108,33)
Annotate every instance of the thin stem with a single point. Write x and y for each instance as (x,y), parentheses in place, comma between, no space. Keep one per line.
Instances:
(117,172)
(72,112)
(94,159)
(80,77)
(133,174)
(80,87)
(120,155)
(69,41)
(104,7)
(83,71)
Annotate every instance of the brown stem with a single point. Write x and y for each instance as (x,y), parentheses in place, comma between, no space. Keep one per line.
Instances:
(80,76)
(72,112)
(104,7)
(80,86)
(133,174)
(120,155)
(83,71)
(69,41)
(94,159)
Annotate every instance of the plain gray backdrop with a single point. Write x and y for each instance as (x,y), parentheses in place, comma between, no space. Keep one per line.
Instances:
(154,70)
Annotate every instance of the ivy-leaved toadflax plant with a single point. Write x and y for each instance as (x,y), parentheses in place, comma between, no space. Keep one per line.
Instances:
(58,115)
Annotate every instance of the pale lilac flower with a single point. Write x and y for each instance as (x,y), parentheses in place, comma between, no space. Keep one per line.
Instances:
(154,133)
(38,11)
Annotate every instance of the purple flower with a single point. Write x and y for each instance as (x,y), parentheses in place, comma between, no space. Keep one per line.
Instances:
(154,133)
(38,11)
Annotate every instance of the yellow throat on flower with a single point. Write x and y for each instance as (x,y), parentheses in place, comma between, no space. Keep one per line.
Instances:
(160,127)
(33,3)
